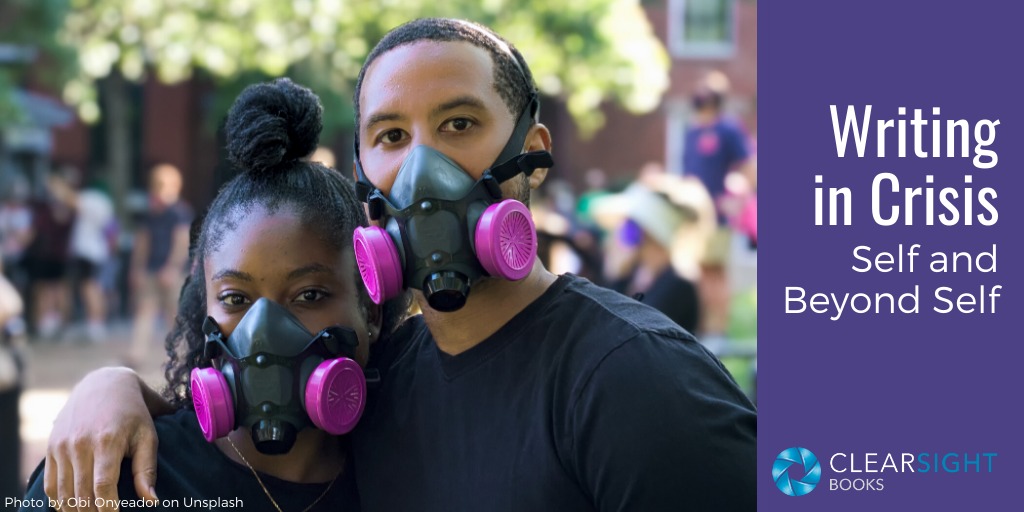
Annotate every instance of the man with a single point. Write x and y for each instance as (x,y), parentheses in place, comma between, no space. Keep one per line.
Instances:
(545,393)
(159,259)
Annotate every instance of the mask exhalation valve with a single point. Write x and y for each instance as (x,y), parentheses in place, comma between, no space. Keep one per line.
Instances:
(273,437)
(447,290)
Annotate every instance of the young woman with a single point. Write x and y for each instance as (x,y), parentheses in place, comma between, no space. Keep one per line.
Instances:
(270,327)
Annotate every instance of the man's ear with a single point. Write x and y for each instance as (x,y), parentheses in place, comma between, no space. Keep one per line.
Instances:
(538,139)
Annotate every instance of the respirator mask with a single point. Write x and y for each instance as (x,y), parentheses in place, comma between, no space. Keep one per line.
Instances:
(443,230)
(275,377)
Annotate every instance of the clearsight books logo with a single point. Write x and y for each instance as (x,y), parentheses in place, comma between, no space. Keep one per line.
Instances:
(796,471)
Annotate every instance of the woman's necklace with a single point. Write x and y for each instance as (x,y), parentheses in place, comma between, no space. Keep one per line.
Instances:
(265,491)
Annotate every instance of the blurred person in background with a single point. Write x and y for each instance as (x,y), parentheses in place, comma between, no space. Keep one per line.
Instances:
(15,231)
(91,249)
(52,219)
(159,259)
(661,223)
(715,147)
(564,242)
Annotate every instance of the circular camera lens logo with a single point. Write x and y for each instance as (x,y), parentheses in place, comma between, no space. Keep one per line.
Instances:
(796,471)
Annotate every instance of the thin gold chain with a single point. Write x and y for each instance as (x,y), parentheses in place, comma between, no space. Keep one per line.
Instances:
(265,491)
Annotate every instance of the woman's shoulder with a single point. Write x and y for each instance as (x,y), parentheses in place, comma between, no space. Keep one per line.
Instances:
(179,428)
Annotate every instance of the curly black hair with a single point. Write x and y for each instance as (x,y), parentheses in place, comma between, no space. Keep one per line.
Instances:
(512,78)
(271,128)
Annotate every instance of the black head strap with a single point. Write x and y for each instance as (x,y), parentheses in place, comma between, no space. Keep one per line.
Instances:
(510,162)
(363,186)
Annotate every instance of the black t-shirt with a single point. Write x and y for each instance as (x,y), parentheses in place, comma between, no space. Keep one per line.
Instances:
(190,470)
(586,400)
(160,226)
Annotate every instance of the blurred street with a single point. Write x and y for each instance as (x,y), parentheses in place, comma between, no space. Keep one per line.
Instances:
(54,367)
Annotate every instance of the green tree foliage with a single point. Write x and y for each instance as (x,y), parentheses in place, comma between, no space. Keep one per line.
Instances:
(28,32)
(585,51)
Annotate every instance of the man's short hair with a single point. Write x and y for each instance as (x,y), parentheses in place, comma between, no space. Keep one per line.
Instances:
(512,78)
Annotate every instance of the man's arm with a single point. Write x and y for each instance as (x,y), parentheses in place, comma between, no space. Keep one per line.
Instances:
(660,425)
(137,263)
(179,249)
(107,418)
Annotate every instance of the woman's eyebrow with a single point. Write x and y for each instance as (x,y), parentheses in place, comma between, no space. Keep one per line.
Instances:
(232,274)
(312,268)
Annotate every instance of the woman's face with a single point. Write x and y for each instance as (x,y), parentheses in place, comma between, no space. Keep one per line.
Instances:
(275,256)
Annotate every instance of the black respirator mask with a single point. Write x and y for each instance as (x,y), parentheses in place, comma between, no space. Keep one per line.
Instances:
(444,230)
(275,377)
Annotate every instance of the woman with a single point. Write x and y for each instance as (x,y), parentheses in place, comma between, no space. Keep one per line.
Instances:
(273,267)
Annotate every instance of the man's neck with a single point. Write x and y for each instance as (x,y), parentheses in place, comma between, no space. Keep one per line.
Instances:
(487,310)
(316,456)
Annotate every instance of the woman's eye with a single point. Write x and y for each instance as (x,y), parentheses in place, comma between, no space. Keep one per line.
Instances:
(233,299)
(459,124)
(311,296)
(392,136)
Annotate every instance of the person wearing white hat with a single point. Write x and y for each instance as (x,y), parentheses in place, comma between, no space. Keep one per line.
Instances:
(664,221)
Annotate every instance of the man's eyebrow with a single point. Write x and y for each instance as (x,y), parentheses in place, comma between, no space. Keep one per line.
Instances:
(382,117)
(461,101)
(231,273)
(312,268)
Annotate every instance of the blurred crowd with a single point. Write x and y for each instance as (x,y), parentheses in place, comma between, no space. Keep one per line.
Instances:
(685,243)
(682,243)
(67,255)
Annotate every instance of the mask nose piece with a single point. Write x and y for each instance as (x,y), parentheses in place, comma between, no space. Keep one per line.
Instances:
(446,291)
(273,437)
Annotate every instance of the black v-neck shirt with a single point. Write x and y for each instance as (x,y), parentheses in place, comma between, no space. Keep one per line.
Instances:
(585,400)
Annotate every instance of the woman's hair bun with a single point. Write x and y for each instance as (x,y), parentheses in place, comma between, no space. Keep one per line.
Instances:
(271,124)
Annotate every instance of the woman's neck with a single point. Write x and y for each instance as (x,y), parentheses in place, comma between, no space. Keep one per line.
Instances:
(316,457)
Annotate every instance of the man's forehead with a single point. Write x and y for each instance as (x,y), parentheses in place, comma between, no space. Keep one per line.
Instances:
(401,72)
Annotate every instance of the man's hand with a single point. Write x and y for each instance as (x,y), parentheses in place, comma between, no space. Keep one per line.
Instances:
(104,421)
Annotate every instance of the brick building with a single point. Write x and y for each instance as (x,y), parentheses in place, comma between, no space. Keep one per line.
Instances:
(722,37)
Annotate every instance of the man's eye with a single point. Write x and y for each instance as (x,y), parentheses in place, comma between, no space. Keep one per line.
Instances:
(459,124)
(392,136)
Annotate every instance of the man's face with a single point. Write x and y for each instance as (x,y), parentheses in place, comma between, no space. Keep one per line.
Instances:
(437,94)
(165,185)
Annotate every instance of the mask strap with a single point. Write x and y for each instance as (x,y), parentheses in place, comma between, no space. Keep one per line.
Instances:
(512,160)
(214,339)
(363,186)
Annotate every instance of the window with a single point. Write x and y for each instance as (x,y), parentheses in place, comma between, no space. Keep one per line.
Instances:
(702,28)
